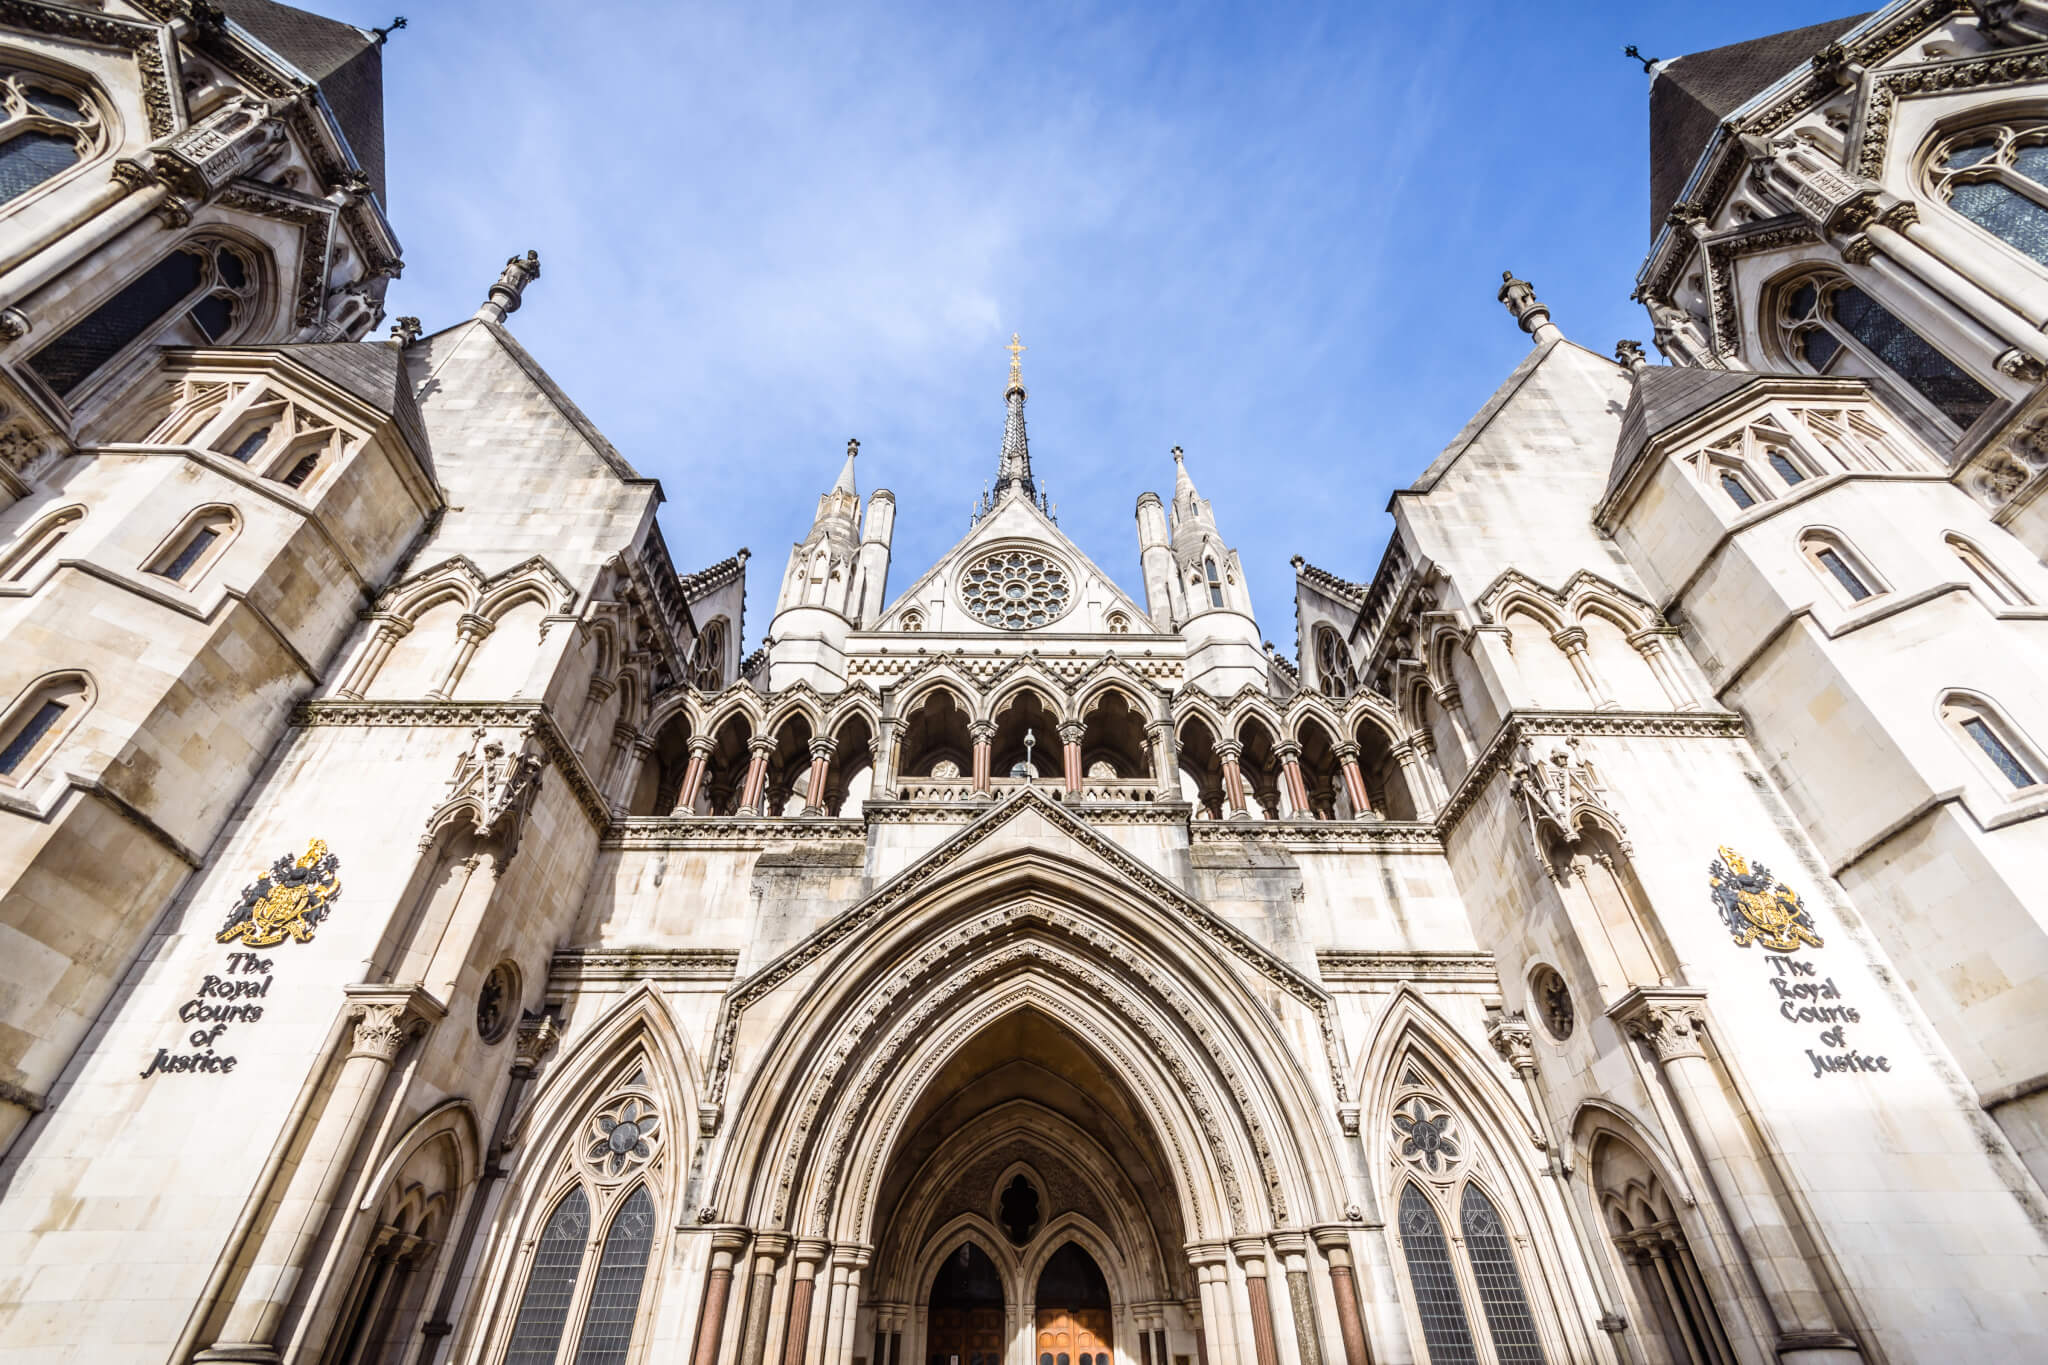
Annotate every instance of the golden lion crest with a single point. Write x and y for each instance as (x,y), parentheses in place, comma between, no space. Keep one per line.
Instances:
(286,902)
(1757,906)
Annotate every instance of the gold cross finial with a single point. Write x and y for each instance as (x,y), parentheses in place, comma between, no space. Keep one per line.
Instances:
(1016,349)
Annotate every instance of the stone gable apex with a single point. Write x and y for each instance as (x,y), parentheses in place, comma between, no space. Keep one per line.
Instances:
(1015,520)
(1046,825)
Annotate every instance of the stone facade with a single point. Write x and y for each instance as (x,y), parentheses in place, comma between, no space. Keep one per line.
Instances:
(1616,937)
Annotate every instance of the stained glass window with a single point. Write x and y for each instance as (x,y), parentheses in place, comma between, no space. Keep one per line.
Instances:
(200,542)
(211,285)
(25,739)
(1437,1301)
(1975,727)
(615,1297)
(43,132)
(250,444)
(1787,471)
(1908,355)
(1500,1288)
(32,156)
(545,1308)
(1832,561)
(1737,493)
(2000,183)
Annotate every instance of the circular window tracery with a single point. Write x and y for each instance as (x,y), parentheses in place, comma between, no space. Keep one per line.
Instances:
(622,1136)
(1016,590)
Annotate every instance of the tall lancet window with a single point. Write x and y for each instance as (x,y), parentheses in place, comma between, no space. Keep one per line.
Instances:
(46,128)
(1831,326)
(580,1302)
(1997,177)
(1442,1308)
(1215,582)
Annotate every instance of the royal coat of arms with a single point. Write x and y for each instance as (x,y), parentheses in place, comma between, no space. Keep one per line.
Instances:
(1757,906)
(286,902)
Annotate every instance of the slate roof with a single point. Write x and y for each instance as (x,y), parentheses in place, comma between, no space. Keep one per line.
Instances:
(1664,396)
(343,60)
(1692,94)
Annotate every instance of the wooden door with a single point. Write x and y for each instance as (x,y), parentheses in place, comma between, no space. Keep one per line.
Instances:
(1074,1336)
(965,1336)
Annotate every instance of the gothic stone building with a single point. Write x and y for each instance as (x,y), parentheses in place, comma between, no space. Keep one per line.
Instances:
(426,940)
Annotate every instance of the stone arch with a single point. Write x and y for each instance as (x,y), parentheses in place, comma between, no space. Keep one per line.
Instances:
(1214,1075)
(635,1047)
(1417,1054)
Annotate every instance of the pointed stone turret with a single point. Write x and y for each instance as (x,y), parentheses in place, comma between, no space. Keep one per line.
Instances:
(831,585)
(1013,471)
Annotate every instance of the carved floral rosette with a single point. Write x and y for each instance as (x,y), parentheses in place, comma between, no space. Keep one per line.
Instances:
(1425,1135)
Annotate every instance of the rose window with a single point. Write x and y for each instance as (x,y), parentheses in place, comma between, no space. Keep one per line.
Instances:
(1422,1134)
(622,1136)
(1016,590)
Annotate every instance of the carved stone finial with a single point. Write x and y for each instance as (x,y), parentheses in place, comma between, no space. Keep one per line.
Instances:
(405,332)
(507,293)
(1630,354)
(1532,313)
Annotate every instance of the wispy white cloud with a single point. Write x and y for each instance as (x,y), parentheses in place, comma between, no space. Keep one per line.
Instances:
(1267,234)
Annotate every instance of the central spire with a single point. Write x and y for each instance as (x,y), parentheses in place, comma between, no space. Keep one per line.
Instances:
(1014,469)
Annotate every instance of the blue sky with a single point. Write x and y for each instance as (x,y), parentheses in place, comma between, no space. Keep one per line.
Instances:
(1269,234)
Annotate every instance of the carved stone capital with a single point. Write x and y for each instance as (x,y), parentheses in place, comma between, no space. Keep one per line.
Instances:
(1668,1019)
(760,746)
(1287,751)
(385,1018)
(1070,731)
(823,747)
(701,745)
(1229,750)
(1510,1036)
(539,1031)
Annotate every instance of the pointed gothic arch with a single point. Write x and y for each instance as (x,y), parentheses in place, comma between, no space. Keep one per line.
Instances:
(1439,1121)
(632,1070)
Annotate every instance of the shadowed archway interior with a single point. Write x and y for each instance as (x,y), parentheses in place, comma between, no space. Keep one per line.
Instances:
(1027,1199)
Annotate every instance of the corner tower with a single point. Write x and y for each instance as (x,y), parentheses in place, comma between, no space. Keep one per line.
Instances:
(1223,637)
(822,589)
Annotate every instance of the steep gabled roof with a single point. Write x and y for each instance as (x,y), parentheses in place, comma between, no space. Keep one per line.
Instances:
(1664,396)
(345,62)
(1692,94)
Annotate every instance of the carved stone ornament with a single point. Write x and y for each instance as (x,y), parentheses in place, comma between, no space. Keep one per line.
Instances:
(381,1030)
(289,901)
(496,1001)
(539,1031)
(1670,1028)
(1425,1136)
(1509,1033)
(623,1137)
(1553,1002)
(1556,786)
(1757,907)
(226,144)
(498,786)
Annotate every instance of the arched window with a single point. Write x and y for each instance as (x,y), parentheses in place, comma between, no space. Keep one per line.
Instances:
(1996,746)
(1119,624)
(246,449)
(1785,468)
(571,1295)
(1997,177)
(1737,490)
(48,127)
(193,547)
(1335,674)
(1832,327)
(1438,1302)
(1500,1287)
(302,470)
(1832,557)
(1215,582)
(913,621)
(1992,579)
(707,667)
(198,295)
(37,723)
(36,544)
